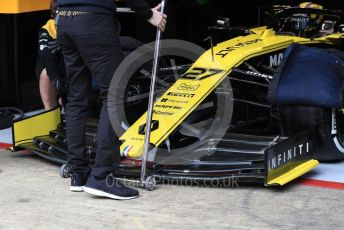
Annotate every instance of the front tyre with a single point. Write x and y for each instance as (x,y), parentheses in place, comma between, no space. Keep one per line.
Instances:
(324,125)
(332,134)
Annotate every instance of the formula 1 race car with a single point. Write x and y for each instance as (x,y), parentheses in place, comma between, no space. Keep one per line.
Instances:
(263,104)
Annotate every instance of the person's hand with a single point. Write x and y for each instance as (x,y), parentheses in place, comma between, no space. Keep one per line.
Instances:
(60,85)
(158,19)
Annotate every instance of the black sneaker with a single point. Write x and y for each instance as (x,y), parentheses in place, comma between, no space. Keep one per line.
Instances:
(78,182)
(109,187)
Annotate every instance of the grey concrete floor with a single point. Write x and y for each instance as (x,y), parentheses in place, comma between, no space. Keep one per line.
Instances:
(33,196)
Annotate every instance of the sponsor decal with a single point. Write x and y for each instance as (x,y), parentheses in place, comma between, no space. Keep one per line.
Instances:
(162,113)
(334,124)
(223,53)
(173,101)
(187,87)
(154,126)
(135,162)
(175,94)
(168,107)
(290,154)
(42,47)
(136,139)
(276,59)
(300,17)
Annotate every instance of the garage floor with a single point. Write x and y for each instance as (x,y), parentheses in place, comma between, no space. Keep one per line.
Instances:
(33,196)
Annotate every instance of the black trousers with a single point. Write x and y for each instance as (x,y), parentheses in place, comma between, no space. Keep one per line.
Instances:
(91,48)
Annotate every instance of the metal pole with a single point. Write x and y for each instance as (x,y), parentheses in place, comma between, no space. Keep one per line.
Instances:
(151,101)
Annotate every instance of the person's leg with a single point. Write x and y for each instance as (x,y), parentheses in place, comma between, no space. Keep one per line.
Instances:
(47,90)
(77,99)
(101,51)
(92,40)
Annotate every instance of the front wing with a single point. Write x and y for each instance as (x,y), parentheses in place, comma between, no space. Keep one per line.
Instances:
(273,160)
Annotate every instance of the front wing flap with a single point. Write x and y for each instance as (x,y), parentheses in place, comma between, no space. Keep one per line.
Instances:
(289,159)
(25,130)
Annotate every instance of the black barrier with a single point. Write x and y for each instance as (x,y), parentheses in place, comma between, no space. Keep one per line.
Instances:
(18,51)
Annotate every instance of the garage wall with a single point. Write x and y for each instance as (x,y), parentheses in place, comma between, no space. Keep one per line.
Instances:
(188,20)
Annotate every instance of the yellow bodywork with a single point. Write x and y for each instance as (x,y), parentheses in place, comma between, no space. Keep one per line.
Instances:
(311,5)
(294,173)
(23,6)
(228,54)
(24,131)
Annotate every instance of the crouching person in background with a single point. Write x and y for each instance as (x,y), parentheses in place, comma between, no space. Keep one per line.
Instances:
(50,69)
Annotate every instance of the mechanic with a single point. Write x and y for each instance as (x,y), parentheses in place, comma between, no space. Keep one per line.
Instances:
(87,34)
(50,69)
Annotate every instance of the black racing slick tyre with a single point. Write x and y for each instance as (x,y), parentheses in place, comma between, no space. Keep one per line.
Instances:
(325,127)
(332,136)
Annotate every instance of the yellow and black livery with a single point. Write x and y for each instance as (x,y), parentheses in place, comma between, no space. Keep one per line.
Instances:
(250,145)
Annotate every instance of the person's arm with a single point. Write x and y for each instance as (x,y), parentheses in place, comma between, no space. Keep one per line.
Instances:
(43,47)
(53,65)
(141,7)
(153,16)
(48,54)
